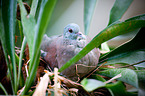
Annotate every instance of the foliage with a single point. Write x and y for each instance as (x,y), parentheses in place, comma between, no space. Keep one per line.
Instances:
(31,30)
(7,37)
(131,53)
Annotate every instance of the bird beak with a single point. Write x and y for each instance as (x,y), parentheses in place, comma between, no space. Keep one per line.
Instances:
(80,35)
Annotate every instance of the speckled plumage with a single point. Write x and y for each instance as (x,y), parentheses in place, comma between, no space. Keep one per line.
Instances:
(57,50)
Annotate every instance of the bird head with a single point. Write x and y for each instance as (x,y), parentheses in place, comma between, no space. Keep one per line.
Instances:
(72,31)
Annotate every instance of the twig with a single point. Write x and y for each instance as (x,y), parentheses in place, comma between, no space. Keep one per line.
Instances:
(132,64)
(117,76)
(96,69)
(103,60)
(56,83)
(27,68)
(20,91)
(77,70)
(77,73)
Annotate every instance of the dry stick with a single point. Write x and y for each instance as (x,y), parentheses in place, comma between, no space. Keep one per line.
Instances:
(119,67)
(77,70)
(27,68)
(115,77)
(96,69)
(20,91)
(133,64)
(56,85)
(103,60)
(77,73)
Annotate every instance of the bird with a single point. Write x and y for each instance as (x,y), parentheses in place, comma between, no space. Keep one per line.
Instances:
(57,50)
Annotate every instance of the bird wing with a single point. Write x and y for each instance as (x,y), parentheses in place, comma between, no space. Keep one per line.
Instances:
(48,49)
(47,41)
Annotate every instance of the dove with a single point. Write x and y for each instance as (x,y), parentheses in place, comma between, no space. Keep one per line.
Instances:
(57,50)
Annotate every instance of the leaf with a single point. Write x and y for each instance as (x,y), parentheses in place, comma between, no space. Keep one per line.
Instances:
(99,78)
(43,20)
(131,52)
(118,9)
(105,47)
(92,84)
(28,23)
(7,32)
(108,33)
(89,7)
(141,82)
(20,59)
(118,89)
(34,7)
(127,75)
(134,78)
(38,32)
(139,17)
(2,87)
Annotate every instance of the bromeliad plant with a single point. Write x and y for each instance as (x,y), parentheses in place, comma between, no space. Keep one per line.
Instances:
(33,34)
(131,53)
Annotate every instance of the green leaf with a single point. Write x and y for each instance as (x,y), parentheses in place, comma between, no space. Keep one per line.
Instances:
(34,7)
(20,30)
(108,33)
(92,84)
(38,29)
(99,78)
(131,52)
(20,59)
(42,23)
(118,9)
(7,32)
(118,89)
(28,23)
(139,17)
(89,7)
(127,75)
(30,80)
(2,87)
(105,47)
(134,78)
(141,82)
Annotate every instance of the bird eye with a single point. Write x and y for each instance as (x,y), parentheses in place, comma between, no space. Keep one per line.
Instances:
(70,30)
